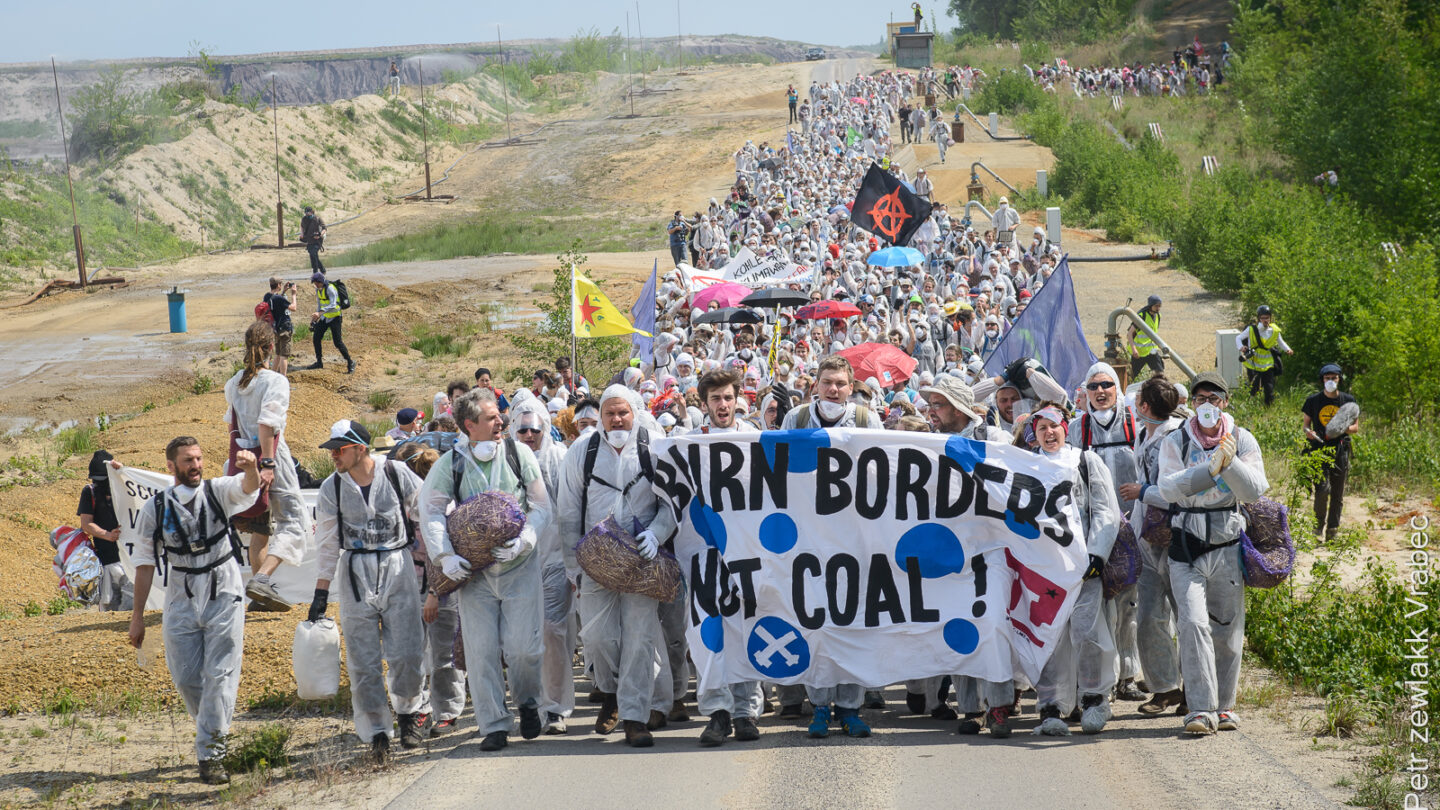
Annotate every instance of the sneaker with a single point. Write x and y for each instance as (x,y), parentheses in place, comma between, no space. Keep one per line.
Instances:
(380,748)
(1094,714)
(609,716)
(791,711)
(678,713)
(411,728)
(262,592)
(495,740)
(874,699)
(853,723)
(820,722)
(349,366)
(1229,721)
(971,723)
(555,724)
(1127,690)
(746,730)
(657,720)
(442,727)
(315,366)
(998,721)
(637,736)
(716,730)
(944,713)
(1160,701)
(530,726)
(1199,723)
(915,703)
(212,772)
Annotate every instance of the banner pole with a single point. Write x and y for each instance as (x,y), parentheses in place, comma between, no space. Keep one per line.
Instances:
(574,361)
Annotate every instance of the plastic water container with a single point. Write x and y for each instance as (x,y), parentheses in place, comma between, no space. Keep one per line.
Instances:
(149,651)
(177,309)
(316,659)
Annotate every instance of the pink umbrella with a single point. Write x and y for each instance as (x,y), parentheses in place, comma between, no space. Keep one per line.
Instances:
(883,361)
(862,102)
(728,293)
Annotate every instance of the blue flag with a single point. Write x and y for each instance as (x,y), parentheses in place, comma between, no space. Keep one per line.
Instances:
(1049,331)
(790,141)
(642,315)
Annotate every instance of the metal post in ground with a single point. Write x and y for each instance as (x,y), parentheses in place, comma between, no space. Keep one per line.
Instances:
(501,47)
(424,126)
(65,144)
(279,205)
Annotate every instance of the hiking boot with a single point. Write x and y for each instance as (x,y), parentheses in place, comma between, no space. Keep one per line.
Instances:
(595,696)
(678,713)
(212,772)
(998,721)
(1160,701)
(792,711)
(1051,724)
(262,592)
(1199,723)
(970,725)
(873,699)
(915,703)
(555,724)
(530,726)
(820,722)
(442,727)
(315,366)
(380,748)
(349,366)
(1127,690)
(1074,716)
(495,740)
(767,707)
(637,736)
(716,730)
(411,728)
(854,725)
(944,713)
(1094,715)
(609,716)
(657,720)
(1229,721)
(746,730)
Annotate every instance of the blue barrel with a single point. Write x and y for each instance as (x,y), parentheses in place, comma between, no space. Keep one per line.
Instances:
(177,310)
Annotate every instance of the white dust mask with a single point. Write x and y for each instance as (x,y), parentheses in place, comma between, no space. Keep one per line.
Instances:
(1208,414)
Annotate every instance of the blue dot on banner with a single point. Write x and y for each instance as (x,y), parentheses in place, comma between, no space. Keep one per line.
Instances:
(776,649)
(712,632)
(709,525)
(965,452)
(937,549)
(1025,530)
(778,533)
(804,447)
(962,636)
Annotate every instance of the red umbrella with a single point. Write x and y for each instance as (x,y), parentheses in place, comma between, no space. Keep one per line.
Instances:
(827,309)
(728,293)
(862,102)
(883,361)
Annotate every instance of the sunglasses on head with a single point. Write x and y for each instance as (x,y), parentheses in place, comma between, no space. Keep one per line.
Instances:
(1099,386)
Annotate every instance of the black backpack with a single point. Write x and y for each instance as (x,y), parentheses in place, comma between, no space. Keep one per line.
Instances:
(342,293)
(592,449)
(457,471)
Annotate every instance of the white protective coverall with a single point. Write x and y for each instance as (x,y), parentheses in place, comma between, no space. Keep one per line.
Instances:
(364,552)
(557,678)
(1207,578)
(1083,661)
(266,401)
(501,606)
(621,630)
(1155,613)
(204,621)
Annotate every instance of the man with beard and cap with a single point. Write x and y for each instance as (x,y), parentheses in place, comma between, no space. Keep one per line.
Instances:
(530,426)
(501,607)
(1107,426)
(363,515)
(1208,468)
(1083,661)
(609,474)
(734,707)
(187,528)
(97,519)
(951,409)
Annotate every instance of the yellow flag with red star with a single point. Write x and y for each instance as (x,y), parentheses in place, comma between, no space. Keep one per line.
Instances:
(592,314)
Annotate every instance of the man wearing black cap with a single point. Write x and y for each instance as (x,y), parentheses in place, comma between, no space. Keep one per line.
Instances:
(1143,351)
(327,317)
(97,519)
(408,422)
(1330,417)
(312,233)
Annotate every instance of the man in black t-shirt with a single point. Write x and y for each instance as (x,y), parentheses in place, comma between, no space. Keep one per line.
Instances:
(97,519)
(282,302)
(1316,414)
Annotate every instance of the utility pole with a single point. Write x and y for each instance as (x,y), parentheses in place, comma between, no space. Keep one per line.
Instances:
(65,144)
(279,205)
(629,65)
(679,32)
(424,125)
(499,46)
(640,31)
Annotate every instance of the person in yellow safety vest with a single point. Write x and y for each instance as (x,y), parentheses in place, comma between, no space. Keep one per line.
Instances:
(327,317)
(1258,344)
(1143,351)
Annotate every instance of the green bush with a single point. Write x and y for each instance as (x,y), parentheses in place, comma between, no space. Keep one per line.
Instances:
(1009,92)
(258,750)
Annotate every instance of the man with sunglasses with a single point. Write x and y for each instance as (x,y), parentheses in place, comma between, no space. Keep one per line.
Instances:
(1108,427)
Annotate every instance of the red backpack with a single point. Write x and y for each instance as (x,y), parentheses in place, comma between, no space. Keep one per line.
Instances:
(263,313)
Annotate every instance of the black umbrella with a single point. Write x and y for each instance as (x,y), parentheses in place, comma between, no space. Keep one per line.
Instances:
(776,297)
(771,163)
(729,315)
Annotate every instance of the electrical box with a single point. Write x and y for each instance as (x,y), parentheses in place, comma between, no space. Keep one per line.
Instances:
(994,123)
(1227,356)
(1052,225)
(1042,183)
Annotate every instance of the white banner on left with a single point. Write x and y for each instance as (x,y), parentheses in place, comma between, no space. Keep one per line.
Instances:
(133,489)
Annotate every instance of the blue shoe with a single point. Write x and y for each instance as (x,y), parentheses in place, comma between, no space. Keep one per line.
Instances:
(820,722)
(853,724)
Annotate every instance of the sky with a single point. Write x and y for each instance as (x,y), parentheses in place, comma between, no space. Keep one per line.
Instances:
(69,30)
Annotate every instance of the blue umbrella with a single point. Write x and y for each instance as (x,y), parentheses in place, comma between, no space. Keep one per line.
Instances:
(896,257)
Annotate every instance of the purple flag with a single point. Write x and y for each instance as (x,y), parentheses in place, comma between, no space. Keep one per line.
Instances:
(642,315)
(1049,330)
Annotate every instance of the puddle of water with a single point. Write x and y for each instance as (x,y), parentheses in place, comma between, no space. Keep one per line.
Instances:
(16,425)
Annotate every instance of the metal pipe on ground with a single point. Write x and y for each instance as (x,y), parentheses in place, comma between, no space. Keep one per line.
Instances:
(975,176)
(1153,256)
(1113,342)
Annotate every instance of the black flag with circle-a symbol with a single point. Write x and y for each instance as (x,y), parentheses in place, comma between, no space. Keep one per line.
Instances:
(886,208)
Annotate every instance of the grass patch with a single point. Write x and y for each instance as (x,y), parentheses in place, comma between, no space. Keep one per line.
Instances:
(381,400)
(60,604)
(33,608)
(62,702)
(261,749)
(77,441)
(318,464)
(202,384)
(432,343)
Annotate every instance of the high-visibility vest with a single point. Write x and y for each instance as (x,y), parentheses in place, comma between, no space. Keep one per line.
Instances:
(1262,351)
(323,294)
(1143,344)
